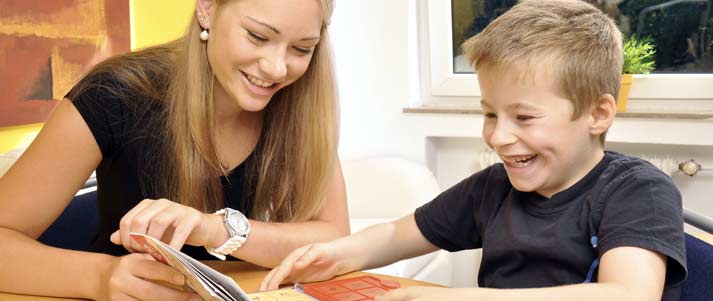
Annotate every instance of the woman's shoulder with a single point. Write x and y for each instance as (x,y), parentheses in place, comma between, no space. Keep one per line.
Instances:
(131,76)
(123,97)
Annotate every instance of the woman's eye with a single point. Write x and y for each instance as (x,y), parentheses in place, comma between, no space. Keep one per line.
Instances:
(524,117)
(490,115)
(303,50)
(257,37)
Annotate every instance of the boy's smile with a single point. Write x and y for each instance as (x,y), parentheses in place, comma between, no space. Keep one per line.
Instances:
(519,161)
(530,125)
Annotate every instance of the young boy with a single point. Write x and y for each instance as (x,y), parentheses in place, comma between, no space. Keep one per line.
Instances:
(560,218)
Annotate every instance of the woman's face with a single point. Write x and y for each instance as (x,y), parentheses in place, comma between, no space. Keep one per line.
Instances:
(257,47)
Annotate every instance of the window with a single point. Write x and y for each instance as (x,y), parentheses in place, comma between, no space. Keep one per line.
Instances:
(681,31)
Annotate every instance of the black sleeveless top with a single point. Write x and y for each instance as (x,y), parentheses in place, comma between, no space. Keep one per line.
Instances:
(128,132)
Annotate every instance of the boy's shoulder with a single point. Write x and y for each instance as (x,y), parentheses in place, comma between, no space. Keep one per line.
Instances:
(622,170)
(621,165)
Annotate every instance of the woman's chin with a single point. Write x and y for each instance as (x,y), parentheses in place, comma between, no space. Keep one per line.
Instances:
(254,105)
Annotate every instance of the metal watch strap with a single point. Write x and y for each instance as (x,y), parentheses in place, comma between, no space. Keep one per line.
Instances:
(234,242)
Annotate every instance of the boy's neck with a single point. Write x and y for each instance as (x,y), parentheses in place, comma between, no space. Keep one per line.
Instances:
(582,171)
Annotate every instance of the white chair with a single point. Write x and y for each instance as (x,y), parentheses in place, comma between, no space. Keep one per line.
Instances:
(8,159)
(383,189)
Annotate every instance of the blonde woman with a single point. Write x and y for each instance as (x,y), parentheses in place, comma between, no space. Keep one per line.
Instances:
(237,117)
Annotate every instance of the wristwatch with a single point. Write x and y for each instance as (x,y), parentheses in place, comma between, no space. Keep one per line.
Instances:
(238,228)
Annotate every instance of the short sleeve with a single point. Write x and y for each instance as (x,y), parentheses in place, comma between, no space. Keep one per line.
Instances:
(450,221)
(643,208)
(98,99)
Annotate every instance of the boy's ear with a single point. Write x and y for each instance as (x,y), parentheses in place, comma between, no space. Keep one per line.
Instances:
(602,114)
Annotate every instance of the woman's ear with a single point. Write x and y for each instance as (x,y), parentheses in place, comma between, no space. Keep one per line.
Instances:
(602,114)
(204,11)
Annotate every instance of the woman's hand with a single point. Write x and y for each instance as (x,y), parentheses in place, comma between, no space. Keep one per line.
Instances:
(310,263)
(168,221)
(139,277)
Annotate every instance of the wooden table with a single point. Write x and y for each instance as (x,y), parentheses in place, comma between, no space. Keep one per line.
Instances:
(247,275)
(707,237)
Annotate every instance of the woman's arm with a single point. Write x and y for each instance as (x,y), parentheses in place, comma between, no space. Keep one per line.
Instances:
(34,192)
(269,243)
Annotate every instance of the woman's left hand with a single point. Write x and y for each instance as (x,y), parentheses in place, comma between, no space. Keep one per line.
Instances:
(168,221)
(422,293)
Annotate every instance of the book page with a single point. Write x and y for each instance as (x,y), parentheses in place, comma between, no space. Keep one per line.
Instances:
(205,281)
(285,294)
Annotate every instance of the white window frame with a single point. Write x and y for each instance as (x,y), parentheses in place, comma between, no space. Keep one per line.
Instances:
(444,83)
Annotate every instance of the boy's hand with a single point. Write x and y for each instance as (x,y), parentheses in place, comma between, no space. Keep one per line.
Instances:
(421,293)
(310,263)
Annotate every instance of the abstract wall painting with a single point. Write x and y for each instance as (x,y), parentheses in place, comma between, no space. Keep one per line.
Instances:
(47,45)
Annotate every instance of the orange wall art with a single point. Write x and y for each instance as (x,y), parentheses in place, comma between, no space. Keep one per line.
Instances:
(46,46)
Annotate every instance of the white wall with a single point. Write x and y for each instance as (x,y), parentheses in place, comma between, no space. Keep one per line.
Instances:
(375,51)
(370,41)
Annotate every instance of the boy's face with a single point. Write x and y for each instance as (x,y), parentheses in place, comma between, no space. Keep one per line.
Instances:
(529,125)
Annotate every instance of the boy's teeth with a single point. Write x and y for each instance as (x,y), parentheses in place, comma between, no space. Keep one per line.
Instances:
(522,161)
(259,82)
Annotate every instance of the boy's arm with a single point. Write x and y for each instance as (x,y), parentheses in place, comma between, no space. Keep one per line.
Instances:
(387,243)
(375,246)
(625,273)
(640,271)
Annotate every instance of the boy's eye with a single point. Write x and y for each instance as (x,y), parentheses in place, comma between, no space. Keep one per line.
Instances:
(524,117)
(257,37)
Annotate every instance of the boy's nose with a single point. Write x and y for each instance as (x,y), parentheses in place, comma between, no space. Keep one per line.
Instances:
(502,136)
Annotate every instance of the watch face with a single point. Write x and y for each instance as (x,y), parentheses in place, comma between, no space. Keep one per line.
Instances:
(238,222)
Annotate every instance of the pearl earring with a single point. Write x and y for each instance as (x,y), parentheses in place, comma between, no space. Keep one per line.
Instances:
(204,35)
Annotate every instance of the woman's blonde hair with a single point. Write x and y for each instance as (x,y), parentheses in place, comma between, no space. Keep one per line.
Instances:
(293,162)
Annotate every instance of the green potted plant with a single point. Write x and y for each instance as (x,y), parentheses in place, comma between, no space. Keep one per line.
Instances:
(638,59)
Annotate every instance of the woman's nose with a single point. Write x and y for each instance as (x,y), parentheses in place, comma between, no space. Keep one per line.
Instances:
(274,66)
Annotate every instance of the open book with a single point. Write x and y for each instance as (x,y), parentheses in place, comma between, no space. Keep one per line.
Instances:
(212,285)
(205,281)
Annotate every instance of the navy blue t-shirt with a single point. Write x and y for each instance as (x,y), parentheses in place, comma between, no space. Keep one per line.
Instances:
(531,241)
(129,134)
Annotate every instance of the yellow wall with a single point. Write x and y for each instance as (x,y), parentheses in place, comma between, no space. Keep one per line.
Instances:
(17,136)
(152,22)
(157,21)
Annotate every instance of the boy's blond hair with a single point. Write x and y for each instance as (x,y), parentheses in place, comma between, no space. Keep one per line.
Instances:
(568,39)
